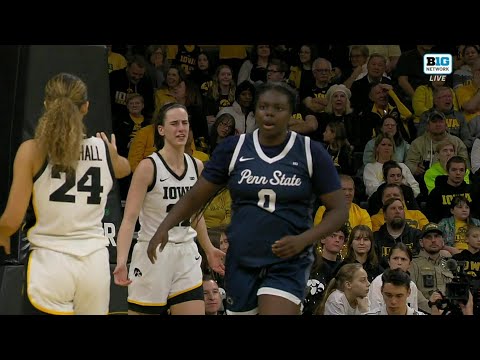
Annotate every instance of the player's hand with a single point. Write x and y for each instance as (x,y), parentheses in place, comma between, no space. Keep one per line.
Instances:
(160,238)
(120,275)
(216,261)
(112,143)
(288,246)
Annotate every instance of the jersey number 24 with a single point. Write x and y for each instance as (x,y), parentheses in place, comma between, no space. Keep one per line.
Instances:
(95,188)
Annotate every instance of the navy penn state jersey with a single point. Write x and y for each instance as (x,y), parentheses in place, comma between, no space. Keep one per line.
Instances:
(272,189)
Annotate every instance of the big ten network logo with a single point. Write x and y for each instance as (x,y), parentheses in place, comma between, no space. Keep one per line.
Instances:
(438,66)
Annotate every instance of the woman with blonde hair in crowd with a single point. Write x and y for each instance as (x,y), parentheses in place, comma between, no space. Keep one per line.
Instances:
(338,109)
(346,293)
(384,150)
(221,93)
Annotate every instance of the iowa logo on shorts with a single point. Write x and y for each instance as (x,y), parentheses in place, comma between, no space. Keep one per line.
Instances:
(137,272)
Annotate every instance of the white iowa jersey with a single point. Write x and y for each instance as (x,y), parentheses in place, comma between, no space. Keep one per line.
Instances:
(69,211)
(162,195)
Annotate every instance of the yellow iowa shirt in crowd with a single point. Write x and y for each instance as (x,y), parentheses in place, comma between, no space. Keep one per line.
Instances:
(116,61)
(464,94)
(356,216)
(218,212)
(142,145)
(414,218)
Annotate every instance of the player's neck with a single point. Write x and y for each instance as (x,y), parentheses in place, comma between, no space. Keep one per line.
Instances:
(173,156)
(276,140)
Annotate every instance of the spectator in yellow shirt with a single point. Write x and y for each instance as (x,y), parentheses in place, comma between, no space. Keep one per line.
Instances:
(468,96)
(356,215)
(115,60)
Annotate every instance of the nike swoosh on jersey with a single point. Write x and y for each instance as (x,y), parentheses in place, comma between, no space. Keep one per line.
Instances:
(242,159)
(161,180)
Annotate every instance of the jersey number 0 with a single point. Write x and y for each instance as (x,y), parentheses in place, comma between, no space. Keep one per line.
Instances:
(267,199)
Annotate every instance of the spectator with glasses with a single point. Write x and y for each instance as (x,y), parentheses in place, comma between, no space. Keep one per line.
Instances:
(301,73)
(223,127)
(358,59)
(277,70)
(316,98)
(376,67)
(242,108)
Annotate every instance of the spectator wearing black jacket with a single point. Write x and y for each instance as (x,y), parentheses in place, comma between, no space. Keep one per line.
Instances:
(128,81)
(395,230)
(449,186)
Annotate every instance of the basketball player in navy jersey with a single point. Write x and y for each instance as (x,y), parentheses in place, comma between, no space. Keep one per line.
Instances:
(272,175)
(68,270)
(175,282)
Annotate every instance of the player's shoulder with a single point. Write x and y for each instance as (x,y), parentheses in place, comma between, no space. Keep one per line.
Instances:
(29,145)
(198,163)
(148,163)
(30,150)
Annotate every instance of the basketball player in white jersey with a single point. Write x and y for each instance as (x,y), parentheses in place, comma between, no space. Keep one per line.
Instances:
(67,271)
(174,283)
